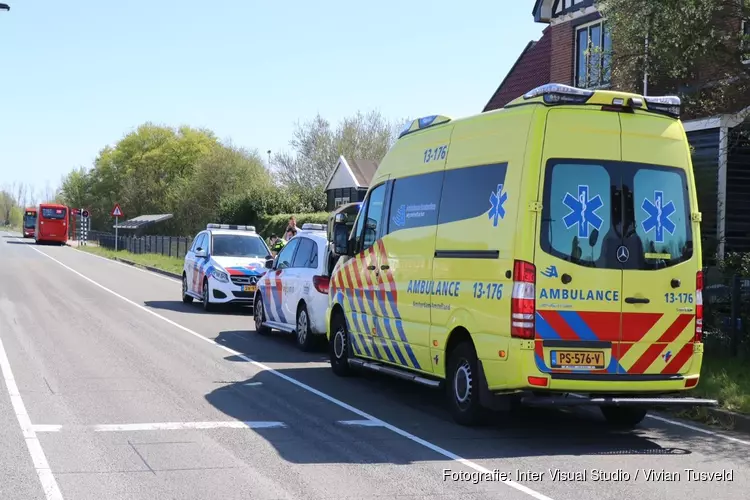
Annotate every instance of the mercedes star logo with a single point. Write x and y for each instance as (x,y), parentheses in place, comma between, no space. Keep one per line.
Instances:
(623,254)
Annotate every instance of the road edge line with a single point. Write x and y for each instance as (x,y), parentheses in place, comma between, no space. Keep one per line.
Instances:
(39,459)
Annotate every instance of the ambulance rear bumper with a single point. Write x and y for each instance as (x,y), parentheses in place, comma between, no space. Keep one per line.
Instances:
(577,400)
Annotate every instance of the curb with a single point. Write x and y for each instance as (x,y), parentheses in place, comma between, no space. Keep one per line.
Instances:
(725,419)
(149,268)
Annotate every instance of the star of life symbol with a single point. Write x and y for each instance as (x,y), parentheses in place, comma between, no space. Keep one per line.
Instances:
(497,205)
(659,214)
(583,211)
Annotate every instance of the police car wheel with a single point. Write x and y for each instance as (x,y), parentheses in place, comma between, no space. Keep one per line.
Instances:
(623,416)
(462,387)
(339,347)
(305,338)
(259,316)
(187,299)
(207,306)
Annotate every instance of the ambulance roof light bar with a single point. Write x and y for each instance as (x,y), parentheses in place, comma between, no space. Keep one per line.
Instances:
(556,93)
(234,227)
(669,105)
(423,123)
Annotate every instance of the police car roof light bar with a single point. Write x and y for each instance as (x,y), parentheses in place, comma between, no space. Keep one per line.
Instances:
(234,227)
(309,226)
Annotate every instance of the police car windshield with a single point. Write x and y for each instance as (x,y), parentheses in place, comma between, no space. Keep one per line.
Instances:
(238,245)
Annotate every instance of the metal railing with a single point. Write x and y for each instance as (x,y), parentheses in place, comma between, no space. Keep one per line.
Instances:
(726,312)
(170,246)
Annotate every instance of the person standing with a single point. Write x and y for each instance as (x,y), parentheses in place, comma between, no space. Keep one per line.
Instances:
(291,226)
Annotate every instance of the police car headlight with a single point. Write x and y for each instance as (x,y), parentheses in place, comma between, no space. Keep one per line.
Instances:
(220,276)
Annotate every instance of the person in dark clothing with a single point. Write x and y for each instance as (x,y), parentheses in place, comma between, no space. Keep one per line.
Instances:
(276,245)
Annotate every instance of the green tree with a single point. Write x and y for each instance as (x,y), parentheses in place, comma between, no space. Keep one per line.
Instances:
(695,46)
(316,147)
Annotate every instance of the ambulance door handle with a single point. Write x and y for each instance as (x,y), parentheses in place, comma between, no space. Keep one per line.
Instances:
(371,268)
(675,283)
(636,300)
(566,278)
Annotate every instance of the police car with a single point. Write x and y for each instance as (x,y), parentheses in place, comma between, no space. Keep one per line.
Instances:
(223,265)
(293,294)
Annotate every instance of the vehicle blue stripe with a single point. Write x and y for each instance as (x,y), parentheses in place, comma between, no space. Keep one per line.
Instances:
(355,345)
(364,345)
(544,330)
(279,306)
(407,347)
(576,323)
(268,306)
(393,342)
(540,364)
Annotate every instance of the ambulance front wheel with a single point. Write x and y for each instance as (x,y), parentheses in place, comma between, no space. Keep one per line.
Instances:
(339,346)
(462,387)
(624,416)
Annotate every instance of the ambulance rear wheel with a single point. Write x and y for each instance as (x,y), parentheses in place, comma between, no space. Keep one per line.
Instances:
(625,417)
(462,387)
(339,346)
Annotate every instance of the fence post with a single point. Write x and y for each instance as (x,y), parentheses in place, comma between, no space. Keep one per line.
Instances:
(735,315)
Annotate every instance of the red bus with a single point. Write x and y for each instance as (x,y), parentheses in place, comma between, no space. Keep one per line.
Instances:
(51,224)
(29,222)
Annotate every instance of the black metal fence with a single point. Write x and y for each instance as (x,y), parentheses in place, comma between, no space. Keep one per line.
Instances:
(171,246)
(726,312)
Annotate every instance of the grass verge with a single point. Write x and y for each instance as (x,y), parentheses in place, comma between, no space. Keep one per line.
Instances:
(163,262)
(727,380)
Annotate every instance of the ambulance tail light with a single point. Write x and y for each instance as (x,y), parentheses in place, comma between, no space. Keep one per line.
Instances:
(321,283)
(523,300)
(698,307)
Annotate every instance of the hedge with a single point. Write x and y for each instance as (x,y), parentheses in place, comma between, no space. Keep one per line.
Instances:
(276,224)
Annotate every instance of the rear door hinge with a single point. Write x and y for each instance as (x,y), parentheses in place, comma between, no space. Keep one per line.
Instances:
(696,216)
(535,206)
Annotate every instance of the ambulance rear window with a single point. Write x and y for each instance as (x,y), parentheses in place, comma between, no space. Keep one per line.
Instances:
(576,212)
(662,215)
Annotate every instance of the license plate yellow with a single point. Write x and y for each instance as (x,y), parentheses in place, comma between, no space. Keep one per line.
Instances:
(248,288)
(577,359)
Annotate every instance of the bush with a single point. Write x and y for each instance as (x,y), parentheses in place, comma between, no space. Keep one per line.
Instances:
(276,224)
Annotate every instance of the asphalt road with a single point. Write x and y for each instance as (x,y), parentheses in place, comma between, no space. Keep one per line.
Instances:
(115,389)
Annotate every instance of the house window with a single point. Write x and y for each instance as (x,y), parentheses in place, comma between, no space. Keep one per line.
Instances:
(593,55)
(343,200)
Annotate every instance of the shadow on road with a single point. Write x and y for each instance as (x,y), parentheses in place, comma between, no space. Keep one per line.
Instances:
(196,307)
(419,410)
(21,242)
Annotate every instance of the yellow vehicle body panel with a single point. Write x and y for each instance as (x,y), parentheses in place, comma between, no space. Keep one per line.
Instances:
(463,200)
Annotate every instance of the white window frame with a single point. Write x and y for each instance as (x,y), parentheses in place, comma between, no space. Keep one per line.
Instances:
(601,22)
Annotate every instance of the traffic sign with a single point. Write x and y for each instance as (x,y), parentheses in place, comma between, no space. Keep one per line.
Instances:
(117,211)
(76,211)
(85,213)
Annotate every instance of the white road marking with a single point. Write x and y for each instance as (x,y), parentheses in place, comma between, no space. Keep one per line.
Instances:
(437,449)
(163,426)
(43,471)
(361,423)
(698,429)
(253,384)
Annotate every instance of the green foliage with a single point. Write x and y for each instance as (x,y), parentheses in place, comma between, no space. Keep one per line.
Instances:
(276,224)
(694,46)
(316,147)
(735,263)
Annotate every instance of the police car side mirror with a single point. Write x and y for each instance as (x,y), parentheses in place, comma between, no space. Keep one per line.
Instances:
(340,239)
(199,252)
(269,263)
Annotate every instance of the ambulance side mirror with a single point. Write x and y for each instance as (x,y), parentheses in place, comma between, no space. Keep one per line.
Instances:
(341,238)
(594,237)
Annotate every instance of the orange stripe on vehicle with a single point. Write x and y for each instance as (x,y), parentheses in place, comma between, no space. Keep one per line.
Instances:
(682,357)
(653,351)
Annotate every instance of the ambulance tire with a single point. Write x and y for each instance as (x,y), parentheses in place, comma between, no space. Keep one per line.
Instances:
(462,387)
(339,347)
(259,315)
(625,417)
(187,299)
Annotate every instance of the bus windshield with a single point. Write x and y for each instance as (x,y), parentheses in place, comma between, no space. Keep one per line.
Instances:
(53,213)
(29,220)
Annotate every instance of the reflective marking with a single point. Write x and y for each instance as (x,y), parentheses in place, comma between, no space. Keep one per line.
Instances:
(361,423)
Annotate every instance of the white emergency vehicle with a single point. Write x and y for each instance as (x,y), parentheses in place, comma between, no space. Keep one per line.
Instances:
(224,264)
(293,294)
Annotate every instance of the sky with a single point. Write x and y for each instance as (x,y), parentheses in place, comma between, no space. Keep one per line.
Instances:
(77,76)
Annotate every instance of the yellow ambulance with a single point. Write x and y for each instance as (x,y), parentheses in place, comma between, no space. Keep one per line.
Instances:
(547,253)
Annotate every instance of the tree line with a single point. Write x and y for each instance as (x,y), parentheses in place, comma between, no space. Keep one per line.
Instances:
(190,173)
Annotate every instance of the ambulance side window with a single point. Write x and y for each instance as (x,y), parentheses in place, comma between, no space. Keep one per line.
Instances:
(369,220)
(414,202)
(576,213)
